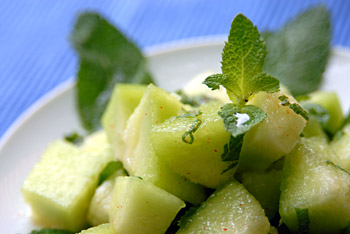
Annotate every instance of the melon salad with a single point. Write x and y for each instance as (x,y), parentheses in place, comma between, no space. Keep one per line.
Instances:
(246,157)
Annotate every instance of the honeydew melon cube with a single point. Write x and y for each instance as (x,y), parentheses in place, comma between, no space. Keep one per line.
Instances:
(329,101)
(140,158)
(230,209)
(139,206)
(341,147)
(200,161)
(100,203)
(100,229)
(311,182)
(124,99)
(273,138)
(265,187)
(60,186)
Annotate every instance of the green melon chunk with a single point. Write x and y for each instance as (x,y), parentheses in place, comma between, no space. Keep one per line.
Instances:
(230,209)
(311,182)
(314,129)
(140,207)
(101,201)
(341,147)
(329,101)
(100,229)
(200,161)
(60,186)
(140,159)
(265,187)
(273,138)
(124,100)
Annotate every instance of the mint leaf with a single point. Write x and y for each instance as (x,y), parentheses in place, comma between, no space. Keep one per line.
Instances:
(51,231)
(74,138)
(106,57)
(242,63)
(190,114)
(194,101)
(298,53)
(233,148)
(238,120)
(303,219)
(298,109)
(232,151)
(109,170)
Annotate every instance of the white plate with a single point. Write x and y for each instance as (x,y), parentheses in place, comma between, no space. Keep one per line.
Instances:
(54,115)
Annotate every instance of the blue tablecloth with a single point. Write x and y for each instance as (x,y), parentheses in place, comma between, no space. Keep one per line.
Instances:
(35,54)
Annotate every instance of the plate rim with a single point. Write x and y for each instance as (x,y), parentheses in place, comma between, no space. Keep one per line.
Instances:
(154,50)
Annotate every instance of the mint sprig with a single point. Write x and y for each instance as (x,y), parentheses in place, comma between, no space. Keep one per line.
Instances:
(242,64)
(242,76)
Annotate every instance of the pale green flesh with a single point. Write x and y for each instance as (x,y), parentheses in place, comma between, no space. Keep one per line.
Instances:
(230,209)
(100,229)
(139,157)
(341,147)
(309,182)
(101,201)
(274,137)
(265,187)
(60,186)
(124,100)
(329,101)
(140,207)
(314,129)
(200,161)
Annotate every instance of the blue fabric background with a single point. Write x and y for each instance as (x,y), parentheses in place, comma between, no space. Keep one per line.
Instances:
(35,54)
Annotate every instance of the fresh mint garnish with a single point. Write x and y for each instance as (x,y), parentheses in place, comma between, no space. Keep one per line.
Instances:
(303,220)
(190,114)
(242,64)
(298,53)
(194,101)
(106,57)
(298,109)
(109,170)
(242,76)
(51,231)
(74,138)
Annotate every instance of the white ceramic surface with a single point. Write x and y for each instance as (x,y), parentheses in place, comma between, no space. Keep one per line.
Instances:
(54,115)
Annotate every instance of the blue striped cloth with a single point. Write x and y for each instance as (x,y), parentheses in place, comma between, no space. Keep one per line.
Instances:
(35,55)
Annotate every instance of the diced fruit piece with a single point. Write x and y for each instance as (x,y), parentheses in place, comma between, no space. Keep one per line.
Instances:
(140,207)
(230,209)
(200,161)
(265,187)
(60,186)
(100,229)
(274,137)
(314,129)
(312,180)
(341,147)
(140,159)
(101,201)
(98,145)
(124,100)
(329,101)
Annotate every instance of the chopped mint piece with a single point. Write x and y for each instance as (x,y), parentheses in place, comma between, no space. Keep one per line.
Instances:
(190,114)
(106,57)
(233,148)
(109,170)
(190,131)
(238,120)
(298,53)
(242,64)
(303,220)
(194,101)
(74,138)
(298,109)
(51,231)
